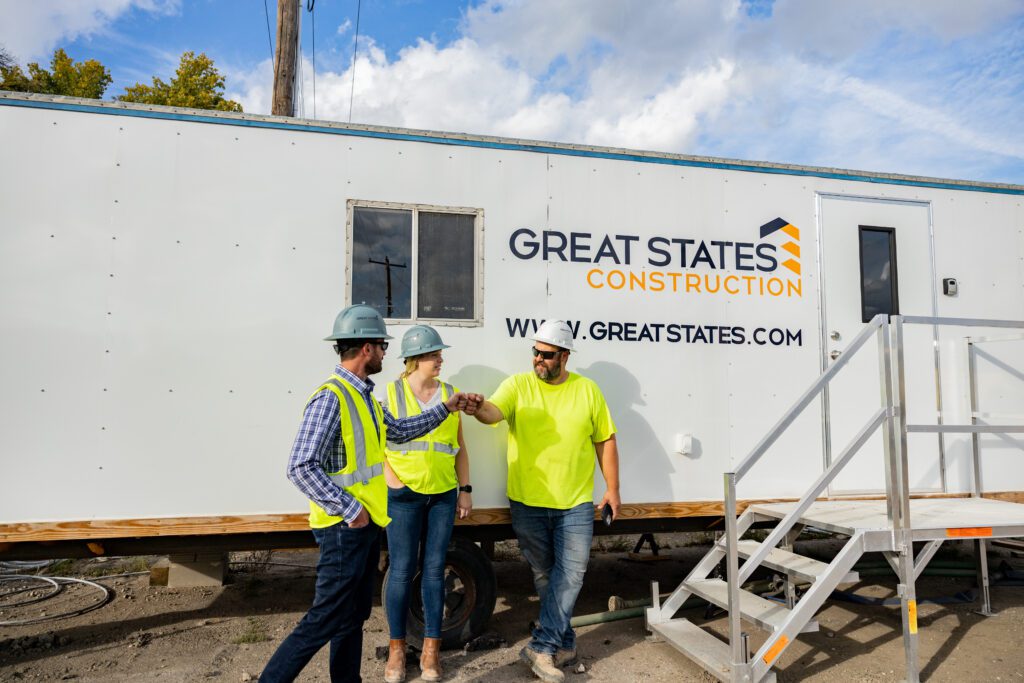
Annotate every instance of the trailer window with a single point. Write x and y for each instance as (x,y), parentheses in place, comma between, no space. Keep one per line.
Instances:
(878,289)
(416,264)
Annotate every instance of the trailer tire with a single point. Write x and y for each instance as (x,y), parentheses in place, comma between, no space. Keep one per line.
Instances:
(470,595)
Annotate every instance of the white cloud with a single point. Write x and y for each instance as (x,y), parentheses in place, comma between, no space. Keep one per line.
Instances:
(919,86)
(31,30)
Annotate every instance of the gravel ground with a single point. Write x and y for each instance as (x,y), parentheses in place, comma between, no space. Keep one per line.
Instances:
(227,633)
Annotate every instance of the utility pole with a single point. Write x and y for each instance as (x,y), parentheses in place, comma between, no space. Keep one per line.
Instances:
(388,265)
(285,58)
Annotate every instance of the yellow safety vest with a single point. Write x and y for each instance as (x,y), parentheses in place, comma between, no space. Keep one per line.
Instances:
(362,469)
(427,464)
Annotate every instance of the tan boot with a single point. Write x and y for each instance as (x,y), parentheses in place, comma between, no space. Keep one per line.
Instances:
(542,665)
(430,662)
(394,670)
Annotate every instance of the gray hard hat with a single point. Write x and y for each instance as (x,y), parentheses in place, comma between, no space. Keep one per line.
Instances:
(359,322)
(420,339)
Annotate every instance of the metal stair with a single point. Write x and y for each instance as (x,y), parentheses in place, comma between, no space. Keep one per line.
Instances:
(894,536)
(782,622)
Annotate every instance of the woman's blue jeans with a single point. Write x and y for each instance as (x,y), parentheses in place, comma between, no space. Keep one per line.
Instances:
(556,545)
(418,519)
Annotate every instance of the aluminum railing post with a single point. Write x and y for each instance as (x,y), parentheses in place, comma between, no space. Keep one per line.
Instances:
(889,426)
(972,381)
(906,589)
(732,568)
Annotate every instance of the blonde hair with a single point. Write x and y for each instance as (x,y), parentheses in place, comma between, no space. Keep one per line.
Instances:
(410,366)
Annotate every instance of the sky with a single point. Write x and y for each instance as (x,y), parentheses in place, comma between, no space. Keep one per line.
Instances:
(921,87)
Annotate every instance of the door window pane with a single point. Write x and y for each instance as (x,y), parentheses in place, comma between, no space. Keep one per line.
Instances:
(445,282)
(878,288)
(381,260)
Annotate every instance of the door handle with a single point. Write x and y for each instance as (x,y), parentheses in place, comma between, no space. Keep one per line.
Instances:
(835,354)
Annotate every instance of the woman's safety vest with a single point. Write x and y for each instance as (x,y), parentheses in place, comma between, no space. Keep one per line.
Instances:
(427,464)
(362,466)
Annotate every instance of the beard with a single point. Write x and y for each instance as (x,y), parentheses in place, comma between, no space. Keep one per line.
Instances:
(545,374)
(374,366)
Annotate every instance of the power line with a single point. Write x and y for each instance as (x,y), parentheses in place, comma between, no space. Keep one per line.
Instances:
(355,46)
(270,41)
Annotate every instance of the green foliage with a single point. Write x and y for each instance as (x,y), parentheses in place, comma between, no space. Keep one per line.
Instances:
(255,632)
(65,77)
(196,84)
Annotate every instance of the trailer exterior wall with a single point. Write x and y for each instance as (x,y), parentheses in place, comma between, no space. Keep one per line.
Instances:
(167,303)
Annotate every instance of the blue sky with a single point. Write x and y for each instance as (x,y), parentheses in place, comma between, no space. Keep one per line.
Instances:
(929,87)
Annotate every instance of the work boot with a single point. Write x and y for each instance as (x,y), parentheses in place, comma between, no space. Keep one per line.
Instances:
(565,658)
(394,670)
(542,665)
(430,662)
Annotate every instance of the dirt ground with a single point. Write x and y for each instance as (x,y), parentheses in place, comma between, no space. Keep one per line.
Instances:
(227,633)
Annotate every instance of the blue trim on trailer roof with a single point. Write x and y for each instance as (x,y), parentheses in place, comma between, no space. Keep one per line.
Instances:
(510,146)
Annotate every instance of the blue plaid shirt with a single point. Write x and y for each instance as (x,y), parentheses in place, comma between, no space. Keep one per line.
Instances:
(318,447)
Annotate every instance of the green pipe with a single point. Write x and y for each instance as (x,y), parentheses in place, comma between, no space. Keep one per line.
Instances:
(945,564)
(605,617)
(631,609)
(928,571)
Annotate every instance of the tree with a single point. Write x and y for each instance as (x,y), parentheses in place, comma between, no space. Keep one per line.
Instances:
(196,84)
(66,77)
(6,58)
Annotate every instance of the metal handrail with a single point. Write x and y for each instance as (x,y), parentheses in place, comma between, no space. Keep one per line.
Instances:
(891,413)
(790,520)
(731,478)
(808,396)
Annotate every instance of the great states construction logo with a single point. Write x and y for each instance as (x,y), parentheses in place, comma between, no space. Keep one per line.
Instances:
(768,267)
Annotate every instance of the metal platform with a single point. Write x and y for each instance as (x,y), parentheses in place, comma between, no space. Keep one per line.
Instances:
(890,526)
(930,519)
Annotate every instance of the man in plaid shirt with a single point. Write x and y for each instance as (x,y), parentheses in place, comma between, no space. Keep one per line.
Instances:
(337,462)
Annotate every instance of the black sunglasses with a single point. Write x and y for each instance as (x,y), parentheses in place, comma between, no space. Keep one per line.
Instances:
(546,355)
(382,344)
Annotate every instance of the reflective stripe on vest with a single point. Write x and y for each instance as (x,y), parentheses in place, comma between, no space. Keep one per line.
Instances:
(422,446)
(425,464)
(363,473)
(361,442)
(402,410)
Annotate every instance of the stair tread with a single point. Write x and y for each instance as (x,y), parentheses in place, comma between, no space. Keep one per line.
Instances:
(796,565)
(765,613)
(707,651)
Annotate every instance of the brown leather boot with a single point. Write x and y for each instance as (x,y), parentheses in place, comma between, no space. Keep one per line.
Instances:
(394,670)
(430,662)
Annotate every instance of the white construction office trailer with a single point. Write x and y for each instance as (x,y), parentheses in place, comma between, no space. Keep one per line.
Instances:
(168,276)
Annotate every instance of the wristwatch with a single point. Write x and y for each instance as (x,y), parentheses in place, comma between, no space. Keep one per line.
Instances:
(468,488)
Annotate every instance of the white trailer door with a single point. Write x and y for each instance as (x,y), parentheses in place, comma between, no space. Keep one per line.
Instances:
(876,257)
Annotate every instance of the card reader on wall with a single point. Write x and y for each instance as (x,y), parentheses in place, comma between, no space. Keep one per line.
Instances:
(949,286)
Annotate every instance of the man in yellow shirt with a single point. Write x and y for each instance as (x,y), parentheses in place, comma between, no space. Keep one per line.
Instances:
(558,421)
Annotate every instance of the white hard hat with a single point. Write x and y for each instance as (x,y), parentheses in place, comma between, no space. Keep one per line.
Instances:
(554,332)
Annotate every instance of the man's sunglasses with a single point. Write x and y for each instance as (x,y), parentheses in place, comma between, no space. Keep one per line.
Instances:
(546,355)
(382,344)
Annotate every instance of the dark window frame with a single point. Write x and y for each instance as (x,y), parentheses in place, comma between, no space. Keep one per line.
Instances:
(478,261)
(893,270)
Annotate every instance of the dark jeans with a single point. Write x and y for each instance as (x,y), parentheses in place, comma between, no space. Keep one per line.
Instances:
(344,595)
(417,517)
(556,544)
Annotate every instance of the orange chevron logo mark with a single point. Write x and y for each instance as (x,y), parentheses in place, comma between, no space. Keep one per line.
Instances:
(787,228)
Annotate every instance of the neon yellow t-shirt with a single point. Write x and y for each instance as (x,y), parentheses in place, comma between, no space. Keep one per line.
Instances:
(552,430)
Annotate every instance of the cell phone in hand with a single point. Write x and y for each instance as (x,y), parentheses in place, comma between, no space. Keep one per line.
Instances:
(606,514)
